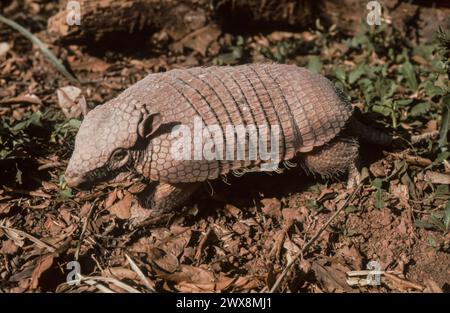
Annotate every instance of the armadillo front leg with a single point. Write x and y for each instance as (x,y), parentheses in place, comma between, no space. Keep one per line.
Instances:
(161,198)
(168,197)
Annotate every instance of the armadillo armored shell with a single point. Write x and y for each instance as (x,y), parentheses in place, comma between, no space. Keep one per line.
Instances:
(306,107)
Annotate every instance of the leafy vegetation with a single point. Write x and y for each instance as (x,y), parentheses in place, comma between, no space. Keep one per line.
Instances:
(36,134)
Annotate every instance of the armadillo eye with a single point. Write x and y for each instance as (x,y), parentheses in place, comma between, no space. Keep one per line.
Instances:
(119,155)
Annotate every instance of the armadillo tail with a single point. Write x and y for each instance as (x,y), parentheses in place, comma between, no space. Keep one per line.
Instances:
(369,134)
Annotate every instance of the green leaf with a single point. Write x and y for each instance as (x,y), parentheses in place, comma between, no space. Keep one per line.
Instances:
(432,241)
(66,193)
(4,154)
(350,232)
(423,224)
(235,54)
(437,219)
(314,64)
(18,175)
(442,191)
(377,183)
(408,72)
(446,218)
(444,155)
(33,119)
(356,73)
(75,124)
(339,73)
(379,202)
(364,173)
(404,102)
(313,205)
(432,90)
(443,129)
(240,41)
(420,108)
(425,50)
(386,111)
(351,209)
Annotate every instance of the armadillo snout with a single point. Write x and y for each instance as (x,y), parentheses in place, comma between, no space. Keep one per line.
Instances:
(74,180)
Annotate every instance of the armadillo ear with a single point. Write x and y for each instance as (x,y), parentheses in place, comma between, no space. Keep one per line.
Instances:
(149,124)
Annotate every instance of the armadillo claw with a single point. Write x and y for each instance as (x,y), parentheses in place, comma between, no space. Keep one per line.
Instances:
(354,177)
(160,199)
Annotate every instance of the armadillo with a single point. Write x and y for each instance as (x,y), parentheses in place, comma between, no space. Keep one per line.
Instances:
(134,132)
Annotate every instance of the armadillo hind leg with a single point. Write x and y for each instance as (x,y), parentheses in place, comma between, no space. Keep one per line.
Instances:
(354,175)
(160,199)
(338,156)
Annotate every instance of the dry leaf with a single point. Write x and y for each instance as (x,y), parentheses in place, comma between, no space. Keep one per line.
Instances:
(224,283)
(201,39)
(240,228)
(8,247)
(181,238)
(120,273)
(29,98)
(43,265)
(378,169)
(121,209)
(164,261)
(352,256)
(271,207)
(111,198)
(92,64)
(294,214)
(84,211)
(232,210)
(399,190)
(331,279)
(137,188)
(437,178)
(71,102)
(5,207)
(432,286)
(191,274)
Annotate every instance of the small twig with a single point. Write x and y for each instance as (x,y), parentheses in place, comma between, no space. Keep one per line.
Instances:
(111,280)
(402,282)
(97,262)
(314,238)
(77,251)
(141,275)
(49,165)
(93,283)
(202,245)
(412,159)
(24,99)
(33,239)
(98,286)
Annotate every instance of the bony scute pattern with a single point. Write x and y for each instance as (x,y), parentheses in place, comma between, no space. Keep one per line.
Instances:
(134,132)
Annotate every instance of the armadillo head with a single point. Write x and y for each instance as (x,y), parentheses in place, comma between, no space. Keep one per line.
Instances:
(107,141)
